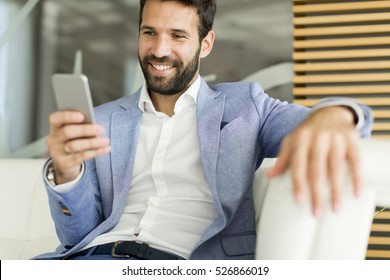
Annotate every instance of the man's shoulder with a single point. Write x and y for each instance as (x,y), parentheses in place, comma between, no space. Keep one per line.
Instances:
(239,97)
(104,112)
(234,87)
(124,102)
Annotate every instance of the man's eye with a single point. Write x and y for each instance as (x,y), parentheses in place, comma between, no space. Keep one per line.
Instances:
(177,36)
(148,33)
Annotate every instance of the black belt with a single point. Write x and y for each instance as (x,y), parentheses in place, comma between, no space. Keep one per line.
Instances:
(127,249)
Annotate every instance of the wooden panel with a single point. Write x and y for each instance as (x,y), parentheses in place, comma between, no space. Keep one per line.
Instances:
(342,66)
(341,54)
(384,101)
(382,137)
(381,126)
(337,90)
(342,48)
(382,114)
(378,254)
(381,227)
(341,42)
(379,240)
(383,215)
(342,30)
(342,78)
(348,18)
(337,7)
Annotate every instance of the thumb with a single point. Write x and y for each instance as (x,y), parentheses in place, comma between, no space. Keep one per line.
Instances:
(282,162)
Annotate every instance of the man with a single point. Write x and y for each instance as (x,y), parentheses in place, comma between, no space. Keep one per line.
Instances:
(167,173)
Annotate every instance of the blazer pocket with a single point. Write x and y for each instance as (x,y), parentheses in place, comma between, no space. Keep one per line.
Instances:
(235,124)
(239,244)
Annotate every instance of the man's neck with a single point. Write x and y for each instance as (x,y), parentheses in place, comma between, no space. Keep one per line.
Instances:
(164,103)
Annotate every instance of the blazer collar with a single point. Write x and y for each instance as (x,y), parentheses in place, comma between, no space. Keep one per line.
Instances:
(131,101)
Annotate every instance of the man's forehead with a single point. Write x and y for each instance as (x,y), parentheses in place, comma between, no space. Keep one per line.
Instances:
(169,13)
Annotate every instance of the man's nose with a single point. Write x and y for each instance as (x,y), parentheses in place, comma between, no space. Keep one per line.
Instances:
(162,47)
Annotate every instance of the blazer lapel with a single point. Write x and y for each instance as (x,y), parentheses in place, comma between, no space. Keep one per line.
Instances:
(210,108)
(125,126)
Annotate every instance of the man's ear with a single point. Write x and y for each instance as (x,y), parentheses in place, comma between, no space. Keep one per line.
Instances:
(207,44)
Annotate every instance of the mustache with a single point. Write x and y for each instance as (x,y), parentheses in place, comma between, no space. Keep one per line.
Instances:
(164,59)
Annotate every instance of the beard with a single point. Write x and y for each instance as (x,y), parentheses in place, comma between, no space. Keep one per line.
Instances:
(169,86)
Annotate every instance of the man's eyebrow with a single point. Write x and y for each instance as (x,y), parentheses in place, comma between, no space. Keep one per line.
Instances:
(180,31)
(147,27)
(175,30)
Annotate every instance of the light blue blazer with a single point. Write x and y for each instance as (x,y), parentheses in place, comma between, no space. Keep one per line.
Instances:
(238,126)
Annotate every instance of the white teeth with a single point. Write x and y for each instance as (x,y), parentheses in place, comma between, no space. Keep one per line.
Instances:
(162,67)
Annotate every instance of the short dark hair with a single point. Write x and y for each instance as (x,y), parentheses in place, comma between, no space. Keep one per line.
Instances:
(206,10)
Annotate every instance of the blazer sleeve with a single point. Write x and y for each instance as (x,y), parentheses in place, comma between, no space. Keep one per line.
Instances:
(77,211)
(277,118)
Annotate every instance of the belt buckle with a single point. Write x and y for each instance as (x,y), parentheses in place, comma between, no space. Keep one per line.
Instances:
(113,251)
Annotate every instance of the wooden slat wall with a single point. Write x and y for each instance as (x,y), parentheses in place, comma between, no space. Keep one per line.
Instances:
(342,48)
(379,243)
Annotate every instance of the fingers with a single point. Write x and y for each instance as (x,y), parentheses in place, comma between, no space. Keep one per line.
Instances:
(60,118)
(336,174)
(343,150)
(75,159)
(68,125)
(70,131)
(320,164)
(299,164)
(354,162)
(81,145)
(71,142)
(293,155)
(316,163)
(283,160)
(317,160)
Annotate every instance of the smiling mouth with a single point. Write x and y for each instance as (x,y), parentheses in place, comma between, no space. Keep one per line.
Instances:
(161,67)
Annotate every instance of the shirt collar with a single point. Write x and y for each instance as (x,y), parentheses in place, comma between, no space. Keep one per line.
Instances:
(188,97)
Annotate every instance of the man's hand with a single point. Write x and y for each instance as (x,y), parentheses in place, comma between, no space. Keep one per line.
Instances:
(71,142)
(317,152)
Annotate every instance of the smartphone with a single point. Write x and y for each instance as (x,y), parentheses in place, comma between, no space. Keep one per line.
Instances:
(72,93)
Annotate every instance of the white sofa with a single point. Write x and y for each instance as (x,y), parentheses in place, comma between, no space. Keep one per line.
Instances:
(285,230)
(26,225)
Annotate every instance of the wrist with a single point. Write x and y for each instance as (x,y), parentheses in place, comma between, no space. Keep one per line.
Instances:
(338,114)
(346,103)
(57,178)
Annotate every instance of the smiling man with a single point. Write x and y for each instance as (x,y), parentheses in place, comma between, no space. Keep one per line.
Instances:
(167,172)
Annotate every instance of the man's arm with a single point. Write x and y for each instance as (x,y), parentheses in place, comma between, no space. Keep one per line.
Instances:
(74,208)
